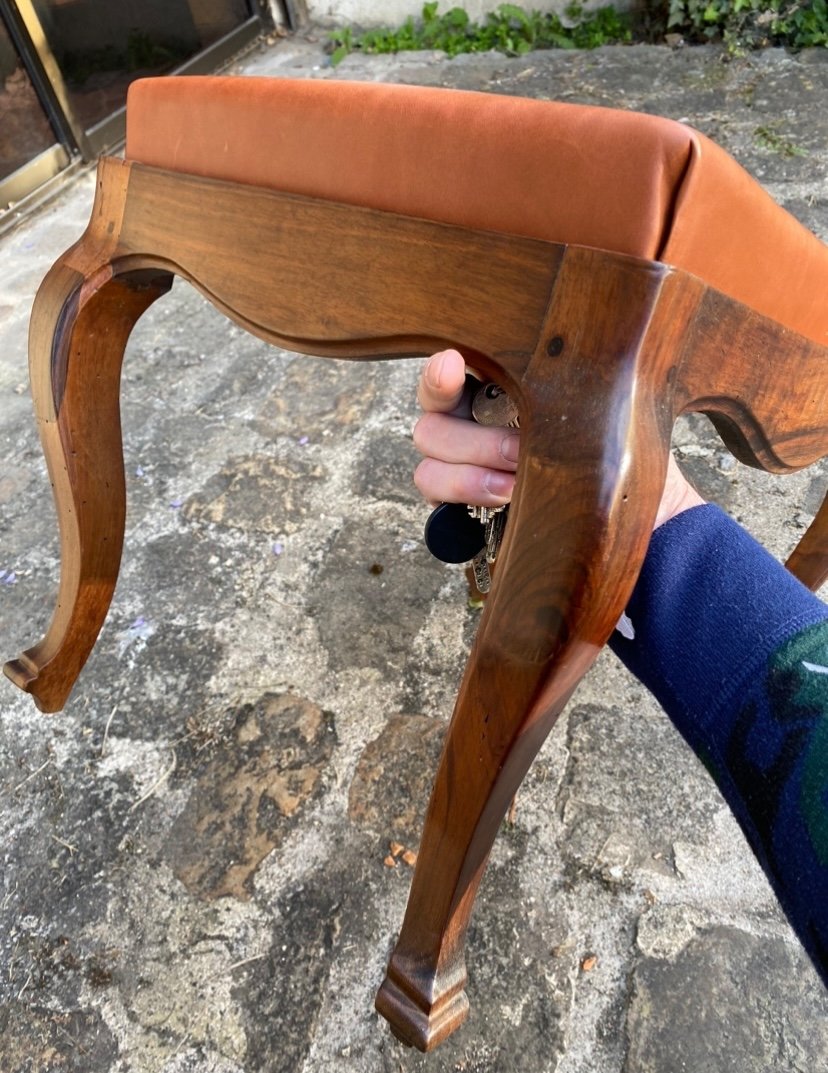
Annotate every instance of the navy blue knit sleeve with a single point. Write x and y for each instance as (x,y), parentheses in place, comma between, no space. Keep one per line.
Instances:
(735,650)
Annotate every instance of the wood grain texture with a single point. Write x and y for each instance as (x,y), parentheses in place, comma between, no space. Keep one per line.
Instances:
(809,559)
(83,449)
(79,327)
(764,387)
(595,435)
(337,280)
(601,352)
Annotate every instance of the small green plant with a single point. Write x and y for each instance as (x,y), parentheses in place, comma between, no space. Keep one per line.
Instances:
(770,138)
(510,29)
(750,24)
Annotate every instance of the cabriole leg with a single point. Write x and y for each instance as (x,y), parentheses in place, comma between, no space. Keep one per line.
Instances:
(545,625)
(593,463)
(80,326)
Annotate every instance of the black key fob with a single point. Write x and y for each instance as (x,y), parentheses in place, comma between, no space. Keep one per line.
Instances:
(452,535)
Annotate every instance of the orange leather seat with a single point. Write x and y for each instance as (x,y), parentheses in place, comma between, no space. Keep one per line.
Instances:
(620,181)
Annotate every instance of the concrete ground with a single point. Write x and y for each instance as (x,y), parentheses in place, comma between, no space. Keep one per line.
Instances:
(193,872)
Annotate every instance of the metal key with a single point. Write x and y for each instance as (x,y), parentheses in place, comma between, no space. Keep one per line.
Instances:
(494,534)
(488,554)
(491,406)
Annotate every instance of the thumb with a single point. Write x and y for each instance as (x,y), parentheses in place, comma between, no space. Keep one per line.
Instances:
(442,382)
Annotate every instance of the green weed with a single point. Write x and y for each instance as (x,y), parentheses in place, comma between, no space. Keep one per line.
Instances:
(510,29)
(741,24)
(750,24)
(770,138)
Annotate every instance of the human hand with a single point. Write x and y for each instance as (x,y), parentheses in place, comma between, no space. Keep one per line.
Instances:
(463,462)
(468,463)
(678,495)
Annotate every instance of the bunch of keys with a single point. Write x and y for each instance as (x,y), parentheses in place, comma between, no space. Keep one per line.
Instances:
(456,533)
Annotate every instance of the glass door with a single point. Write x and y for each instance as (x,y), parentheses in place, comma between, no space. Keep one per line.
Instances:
(31,152)
(99,47)
(66,65)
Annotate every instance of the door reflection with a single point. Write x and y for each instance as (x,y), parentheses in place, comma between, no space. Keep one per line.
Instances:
(101,46)
(25,130)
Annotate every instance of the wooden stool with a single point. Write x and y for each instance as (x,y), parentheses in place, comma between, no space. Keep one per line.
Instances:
(610,270)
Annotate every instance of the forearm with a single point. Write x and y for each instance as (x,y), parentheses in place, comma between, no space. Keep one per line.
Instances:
(736,651)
